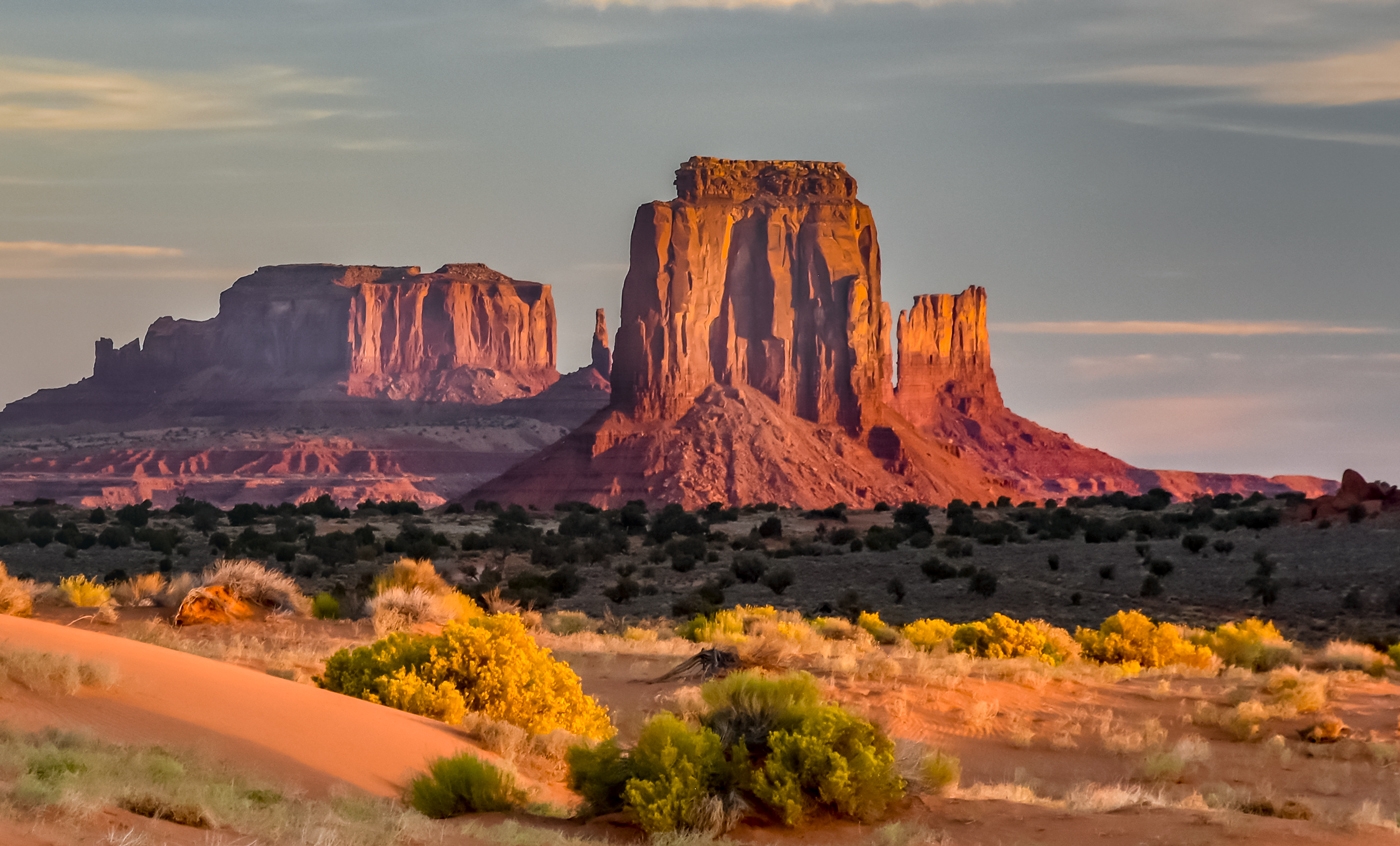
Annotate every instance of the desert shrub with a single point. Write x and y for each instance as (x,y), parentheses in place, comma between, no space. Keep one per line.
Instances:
(746,707)
(772,527)
(928,634)
(1129,637)
(1252,644)
(779,580)
(463,784)
(830,759)
(877,628)
(599,774)
(675,769)
(937,570)
(325,607)
(486,664)
(940,772)
(1151,586)
(1350,655)
(141,591)
(409,573)
(82,592)
(999,636)
(1193,543)
(257,585)
(16,595)
(567,622)
(983,583)
(748,568)
(399,610)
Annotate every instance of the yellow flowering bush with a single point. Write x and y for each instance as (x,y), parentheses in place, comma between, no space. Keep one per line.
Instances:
(999,636)
(928,634)
(1253,644)
(486,664)
(1130,638)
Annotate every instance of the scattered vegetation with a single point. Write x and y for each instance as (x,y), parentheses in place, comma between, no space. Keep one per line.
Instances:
(463,784)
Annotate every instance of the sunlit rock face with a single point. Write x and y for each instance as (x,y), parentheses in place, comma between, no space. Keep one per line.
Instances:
(945,357)
(463,333)
(763,274)
(752,360)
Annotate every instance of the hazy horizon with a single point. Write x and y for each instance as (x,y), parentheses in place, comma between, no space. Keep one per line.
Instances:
(1186,215)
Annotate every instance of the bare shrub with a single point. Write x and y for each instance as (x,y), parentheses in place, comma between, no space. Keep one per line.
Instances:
(400,610)
(54,673)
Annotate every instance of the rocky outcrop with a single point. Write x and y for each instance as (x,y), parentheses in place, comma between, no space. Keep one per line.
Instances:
(945,358)
(313,332)
(762,274)
(602,356)
(1355,499)
(752,359)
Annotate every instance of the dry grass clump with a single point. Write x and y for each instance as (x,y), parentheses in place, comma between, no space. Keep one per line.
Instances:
(1105,799)
(16,595)
(1123,738)
(940,772)
(145,590)
(411,594)
(566,623)
(1350,655)
(251,582)
(1169,765)
(54,673)
(82,592)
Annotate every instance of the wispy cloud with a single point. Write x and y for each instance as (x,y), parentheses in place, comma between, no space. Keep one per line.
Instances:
(660,5)
(1238,328)
(1347,79)
(40,94)
(53,248)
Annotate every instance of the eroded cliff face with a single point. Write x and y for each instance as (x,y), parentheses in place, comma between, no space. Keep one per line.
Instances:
(945,357)
(760,274)
(752,359)
(463,333)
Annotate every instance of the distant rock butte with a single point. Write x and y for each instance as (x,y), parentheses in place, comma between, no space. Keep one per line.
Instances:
(463,333)
(752,363)
(602,356)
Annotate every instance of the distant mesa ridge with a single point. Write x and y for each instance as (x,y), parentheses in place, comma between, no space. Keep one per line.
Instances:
(463,333)
(751,363)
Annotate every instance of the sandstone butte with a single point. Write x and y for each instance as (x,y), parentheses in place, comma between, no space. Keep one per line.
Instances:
(463,333)
(753,364)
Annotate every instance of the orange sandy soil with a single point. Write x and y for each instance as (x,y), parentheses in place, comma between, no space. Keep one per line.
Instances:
(1044,735)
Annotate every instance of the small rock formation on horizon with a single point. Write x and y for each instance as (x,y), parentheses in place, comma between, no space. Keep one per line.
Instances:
(753,364)
(602,356)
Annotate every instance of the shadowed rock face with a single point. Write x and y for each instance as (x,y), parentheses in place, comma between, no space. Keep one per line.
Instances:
(760,274)
(464,333)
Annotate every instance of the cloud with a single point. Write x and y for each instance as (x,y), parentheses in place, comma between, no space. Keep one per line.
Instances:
(53,248)
(40,94)
(662,5)
(1346,79)
(1238,328)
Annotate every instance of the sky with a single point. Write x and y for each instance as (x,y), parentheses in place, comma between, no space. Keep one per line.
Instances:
(1186,212)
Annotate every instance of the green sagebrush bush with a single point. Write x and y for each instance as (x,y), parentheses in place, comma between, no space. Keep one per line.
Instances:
(769,738)
(463,784)
(486,664)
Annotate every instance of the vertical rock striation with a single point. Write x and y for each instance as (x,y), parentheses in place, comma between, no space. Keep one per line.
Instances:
(945,358)
(602,356)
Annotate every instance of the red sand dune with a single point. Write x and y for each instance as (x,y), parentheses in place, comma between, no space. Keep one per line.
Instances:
(294,733)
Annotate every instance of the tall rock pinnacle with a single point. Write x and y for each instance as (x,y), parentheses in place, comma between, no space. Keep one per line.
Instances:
(761,274)
(602,356)
(944,357)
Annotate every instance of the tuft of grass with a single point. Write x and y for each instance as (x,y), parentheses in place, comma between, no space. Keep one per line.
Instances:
(16,595)
(463,784)
(140,591)
(82,592)
(1350,655)
(157,809)
(253,583)
(940,772)
(54,673)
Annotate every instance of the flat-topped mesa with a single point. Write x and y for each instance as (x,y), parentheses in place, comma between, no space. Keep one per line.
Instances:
(736,180)
(944,357)
(463,333)
(761,274)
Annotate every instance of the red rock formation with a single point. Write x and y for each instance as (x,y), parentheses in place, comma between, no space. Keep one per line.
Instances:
(752,359)
(764,274)
(602,356)
(463,333)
